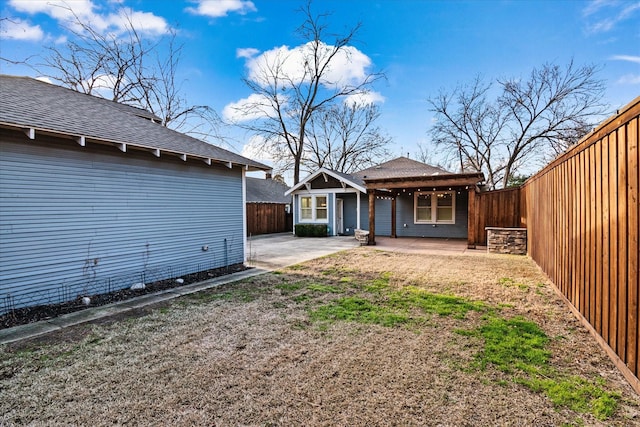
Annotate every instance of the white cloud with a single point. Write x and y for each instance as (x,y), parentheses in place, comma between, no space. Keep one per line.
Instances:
(256,149)
(629,79)
(251,108)
(628,58)
(68,13)
(145,22)
(348,67)
(219,8)
(608,14)
(17,29)
(365,98)
(247,52)
(596,5)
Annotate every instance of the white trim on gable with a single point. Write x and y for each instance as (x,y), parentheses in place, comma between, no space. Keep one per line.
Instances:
(306,182)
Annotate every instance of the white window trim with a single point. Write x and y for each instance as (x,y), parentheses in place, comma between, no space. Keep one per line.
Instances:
(314,211)
(434,207)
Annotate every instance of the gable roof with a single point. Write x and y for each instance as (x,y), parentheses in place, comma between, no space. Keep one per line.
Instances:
(266,191)
(401,167)
(347,179)
(31,104)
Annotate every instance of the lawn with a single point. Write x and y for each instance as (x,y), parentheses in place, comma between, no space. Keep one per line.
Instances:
(362,337)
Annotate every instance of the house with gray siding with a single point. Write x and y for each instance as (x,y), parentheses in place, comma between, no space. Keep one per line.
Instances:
(398,198)
(96,196)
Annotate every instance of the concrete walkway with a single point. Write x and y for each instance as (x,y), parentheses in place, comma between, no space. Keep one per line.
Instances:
(274,251)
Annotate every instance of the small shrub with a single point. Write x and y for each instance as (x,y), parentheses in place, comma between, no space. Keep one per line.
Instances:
(311,230)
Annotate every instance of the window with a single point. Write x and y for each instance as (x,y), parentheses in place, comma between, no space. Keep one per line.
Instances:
(321,207)
(435,207)
(306,211)
(314,208)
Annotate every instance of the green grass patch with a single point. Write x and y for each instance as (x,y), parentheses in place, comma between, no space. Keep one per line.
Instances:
(443,305)
(361,310)
(578,394)
(388,307)
(514,343)
(379,284)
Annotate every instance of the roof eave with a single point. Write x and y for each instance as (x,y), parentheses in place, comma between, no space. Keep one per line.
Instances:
(123,146)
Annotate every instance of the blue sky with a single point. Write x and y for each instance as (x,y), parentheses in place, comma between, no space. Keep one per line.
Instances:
(421,46)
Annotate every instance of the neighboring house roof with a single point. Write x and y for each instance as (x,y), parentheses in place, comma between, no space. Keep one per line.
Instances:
(402,167)
(266,191)
(35,106)
(344,178)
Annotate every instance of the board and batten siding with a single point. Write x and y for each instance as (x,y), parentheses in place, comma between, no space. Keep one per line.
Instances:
(71,217)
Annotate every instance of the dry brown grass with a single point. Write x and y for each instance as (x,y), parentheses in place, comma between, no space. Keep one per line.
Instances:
(248,354)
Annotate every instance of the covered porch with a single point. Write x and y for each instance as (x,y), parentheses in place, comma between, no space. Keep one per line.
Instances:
(395,188)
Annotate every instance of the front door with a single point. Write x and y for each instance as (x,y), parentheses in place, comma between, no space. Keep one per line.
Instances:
(339,225)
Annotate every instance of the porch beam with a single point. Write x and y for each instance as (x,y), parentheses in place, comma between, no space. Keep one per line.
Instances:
(471,218)
(372,217)
(422,183)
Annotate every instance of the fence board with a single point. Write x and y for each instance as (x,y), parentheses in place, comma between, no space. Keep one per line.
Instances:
(634,248)
(613,241)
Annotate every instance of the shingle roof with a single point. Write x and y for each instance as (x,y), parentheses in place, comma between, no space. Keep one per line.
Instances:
(402,167)
(350,177)
(30,103)
(266,191)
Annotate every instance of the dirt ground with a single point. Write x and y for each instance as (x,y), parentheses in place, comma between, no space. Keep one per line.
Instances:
(253,353)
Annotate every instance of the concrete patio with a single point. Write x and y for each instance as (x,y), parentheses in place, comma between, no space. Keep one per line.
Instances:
(275,251)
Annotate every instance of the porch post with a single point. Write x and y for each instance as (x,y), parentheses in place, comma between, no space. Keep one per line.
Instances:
(358,210)
(393,217)
(471,218)
(372,217)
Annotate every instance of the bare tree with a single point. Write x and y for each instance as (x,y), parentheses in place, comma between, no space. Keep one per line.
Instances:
(128,69)
(527,120)
(469,127)
(344,138)
(287,95)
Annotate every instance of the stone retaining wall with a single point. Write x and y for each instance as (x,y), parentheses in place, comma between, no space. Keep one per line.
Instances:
(506,240)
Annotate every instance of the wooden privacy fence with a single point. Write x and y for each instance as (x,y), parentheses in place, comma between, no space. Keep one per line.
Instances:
(264,218)
(500,208)
(581,214)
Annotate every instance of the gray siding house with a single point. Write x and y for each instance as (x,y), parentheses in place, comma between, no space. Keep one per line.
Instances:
(398,198)
(97,196)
